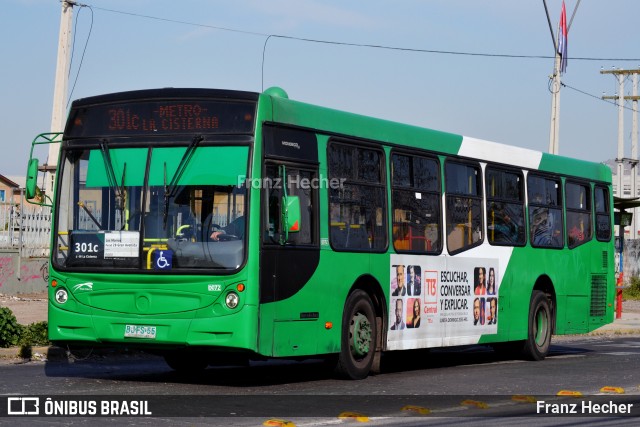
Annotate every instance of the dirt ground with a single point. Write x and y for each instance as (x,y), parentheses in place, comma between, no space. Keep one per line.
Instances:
(28,308)
(33,307)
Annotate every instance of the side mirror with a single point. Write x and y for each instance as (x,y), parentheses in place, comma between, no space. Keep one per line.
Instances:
(32,179)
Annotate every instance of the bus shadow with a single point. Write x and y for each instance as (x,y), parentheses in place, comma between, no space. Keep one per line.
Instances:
(411,360)
(140,367)
(153,369)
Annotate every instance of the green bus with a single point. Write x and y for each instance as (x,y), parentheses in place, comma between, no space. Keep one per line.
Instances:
(217,226)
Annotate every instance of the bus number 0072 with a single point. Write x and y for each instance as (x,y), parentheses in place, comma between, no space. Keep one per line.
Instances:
(86,247)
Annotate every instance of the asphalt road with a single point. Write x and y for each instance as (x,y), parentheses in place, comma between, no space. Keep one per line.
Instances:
(460,384)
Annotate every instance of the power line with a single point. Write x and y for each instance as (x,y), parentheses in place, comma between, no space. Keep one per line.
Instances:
(338,43)
(367,45)
(594,96)
(176,21)
(74,48)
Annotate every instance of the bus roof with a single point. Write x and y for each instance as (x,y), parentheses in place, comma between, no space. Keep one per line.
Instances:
(346,124)
(165,93)
(341,123)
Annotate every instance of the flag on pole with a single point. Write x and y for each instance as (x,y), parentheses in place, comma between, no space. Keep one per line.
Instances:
(562,39)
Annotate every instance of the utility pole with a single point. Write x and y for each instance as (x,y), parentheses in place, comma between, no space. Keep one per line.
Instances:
(634,120)
(634,153)
(60,92)
(556,84)
(554,132)
(621,98)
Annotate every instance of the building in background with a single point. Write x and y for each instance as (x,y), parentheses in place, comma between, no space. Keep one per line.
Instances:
(10,190)
(632,232)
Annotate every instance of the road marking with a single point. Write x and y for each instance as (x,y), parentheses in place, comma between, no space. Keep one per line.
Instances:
(523,398)
(417,409)
(355,416)
(570,393)
(278,423)
(476,403)
(610,389)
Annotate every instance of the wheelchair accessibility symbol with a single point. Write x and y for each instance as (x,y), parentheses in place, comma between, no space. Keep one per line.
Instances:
(162,259)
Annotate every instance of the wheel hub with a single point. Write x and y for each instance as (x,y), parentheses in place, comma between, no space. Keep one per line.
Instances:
(360,335)
(541,325)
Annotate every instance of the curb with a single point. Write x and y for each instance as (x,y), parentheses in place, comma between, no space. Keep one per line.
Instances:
(54,353)
(39,353)
(618,331)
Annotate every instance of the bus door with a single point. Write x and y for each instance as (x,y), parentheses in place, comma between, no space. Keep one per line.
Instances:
(290,244)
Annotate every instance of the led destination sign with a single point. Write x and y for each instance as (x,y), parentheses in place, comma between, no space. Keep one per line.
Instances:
(162,117)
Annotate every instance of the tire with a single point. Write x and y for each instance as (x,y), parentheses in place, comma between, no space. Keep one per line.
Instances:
(536,346)
(359,334)
(186,363)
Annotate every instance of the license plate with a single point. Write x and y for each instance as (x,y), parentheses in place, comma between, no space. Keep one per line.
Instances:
(137,331)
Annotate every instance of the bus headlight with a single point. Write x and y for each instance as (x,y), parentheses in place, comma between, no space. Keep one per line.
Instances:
(61,296)
(232,300)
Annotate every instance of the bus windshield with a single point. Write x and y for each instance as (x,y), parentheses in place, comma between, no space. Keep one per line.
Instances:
(152,208)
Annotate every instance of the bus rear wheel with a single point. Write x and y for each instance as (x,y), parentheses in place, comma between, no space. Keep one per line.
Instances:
(536,346)
(358,342)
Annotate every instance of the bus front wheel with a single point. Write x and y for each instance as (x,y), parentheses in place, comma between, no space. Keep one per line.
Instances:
(358,340)
(536,346)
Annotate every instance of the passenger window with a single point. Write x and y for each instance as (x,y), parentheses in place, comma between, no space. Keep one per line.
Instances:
(358,205)
(578,202)
(464,205)
(545,211)
(603,214)
(416,204)
(505,207)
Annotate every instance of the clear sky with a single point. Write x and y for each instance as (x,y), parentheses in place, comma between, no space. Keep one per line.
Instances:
(496,98)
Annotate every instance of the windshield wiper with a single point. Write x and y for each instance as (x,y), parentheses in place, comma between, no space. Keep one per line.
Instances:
(118,190)
(93,218)
(171,190)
